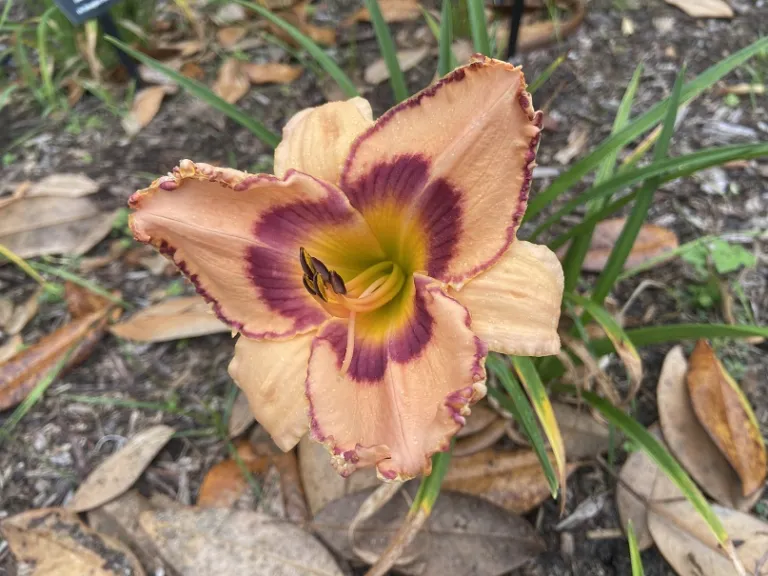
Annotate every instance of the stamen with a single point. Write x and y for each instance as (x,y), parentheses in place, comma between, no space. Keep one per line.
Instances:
(308,285)
(368,275)
(322,269)
(378,294)
(337,283)
(319,286)
(306,263)
(350,344)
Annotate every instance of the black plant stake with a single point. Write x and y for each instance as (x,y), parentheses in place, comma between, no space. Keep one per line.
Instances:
(514,26)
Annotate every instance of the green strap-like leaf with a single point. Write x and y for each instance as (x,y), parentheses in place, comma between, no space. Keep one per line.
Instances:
(544,76)
(634,551)
(639,214)
(325,61)
(446,60)
(639,126)
(204,93)
(429,487)
(476,10)
(388,51)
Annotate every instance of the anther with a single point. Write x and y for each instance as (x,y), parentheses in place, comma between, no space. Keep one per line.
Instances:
(308,285)
(306,263)
(321,269)
(337,283)
(319,287)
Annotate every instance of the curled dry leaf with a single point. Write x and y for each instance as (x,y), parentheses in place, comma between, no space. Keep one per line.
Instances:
(408,59)
(231,83)
(322,484)
(206,541)
(23,313)
(725,413)
(65,185)
(119,519)
(58,544)
(391,11)
(10,348)
(272,73)
(583,435)
(652,241)
(577,142)
(171,319)
(43,225)
(689,441)
(481,417)
(22,372)
(463,535)
(241,417)
(513,480)
(481,440)
(117,473)
(225,484)
(146,105)
(704,8)
(586,510)
(192,70)
(230,35)
(687,542)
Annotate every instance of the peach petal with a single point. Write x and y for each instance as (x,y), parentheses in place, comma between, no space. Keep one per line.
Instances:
(272,375)
(515,305)
(408,389)
(317,140)
(458,156)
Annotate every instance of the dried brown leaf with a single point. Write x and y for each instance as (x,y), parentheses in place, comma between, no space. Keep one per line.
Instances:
(65,185)
(482,416)
(43,225)
(320,34)
(231,83)
(689,441)
(583,435)
(116,249)
(171,319)
(192,70)
(225,483)
(513,480)
(22,372)
(577,142)
(322,484)
(206,541)
(652,241)
(10,348)
(725,413)
(294,500)
(408,59)
(117,473)
(81,301)
(481,440)
(23,313)
(241,417)
(391,10)
(58,544)
(703,8)
(145,107)
(272,73)
(230,35)
(463,535)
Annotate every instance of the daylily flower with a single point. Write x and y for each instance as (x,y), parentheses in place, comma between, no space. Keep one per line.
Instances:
(369,277)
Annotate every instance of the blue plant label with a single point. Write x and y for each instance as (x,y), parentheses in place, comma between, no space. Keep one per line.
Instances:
(78,11)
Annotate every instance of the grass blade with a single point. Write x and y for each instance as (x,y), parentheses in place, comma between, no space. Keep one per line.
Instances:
(204,93)
(476,10)
(388,51)
(517,404)
(544,76)
(429,488)
(574,258)
(634,551)
(660,455)
(446,60)
(640,125)
(325,61)
(639,213)
(667,169)
(529,377)
(75,279)
(6,11)
(46,70)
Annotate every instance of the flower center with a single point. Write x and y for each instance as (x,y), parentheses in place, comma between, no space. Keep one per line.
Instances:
(369,290)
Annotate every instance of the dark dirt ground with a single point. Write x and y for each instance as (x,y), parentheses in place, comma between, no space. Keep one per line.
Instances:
(61,440)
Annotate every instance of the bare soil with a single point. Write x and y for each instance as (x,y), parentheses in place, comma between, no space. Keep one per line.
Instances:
(184,383)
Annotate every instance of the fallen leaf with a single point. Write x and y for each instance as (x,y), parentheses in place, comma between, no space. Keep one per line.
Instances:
(319,34)
(241,417)
(23,313)
(152,75)
(171,319)
(703,8)
(119,519)
(636,480)
(688,440)
(583,435)
(481,440)
(391,10)
(231,83)
(146,105)
(586,510)
(577,142)
(725,413)
(119,471)
(652,241)
(294,500)
(116,249)
(10,348)
(322,484)
(81,301)
(43,225)
(192,70)
(687,542)
(224,483)
(230,35)
(272,73)
(58,544)
(513,480)
(378,72)
(65,185)
(463,535)
(481,417)
(206,541)
(229,14)
(21,373)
